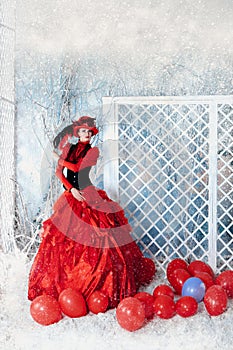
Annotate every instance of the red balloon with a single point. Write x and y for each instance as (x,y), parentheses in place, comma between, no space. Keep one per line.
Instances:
(215,300)
(45,310)
(97,302)
(163,289)
(164,307)
(205,277)
(130,314)
(177,279)
(72,303)
(225,280)
(186,306)
(200,266)
(176,264)
(148,301)
(145,270)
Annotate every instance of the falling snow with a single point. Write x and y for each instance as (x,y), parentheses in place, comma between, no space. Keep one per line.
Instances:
(170,47)
(19,332)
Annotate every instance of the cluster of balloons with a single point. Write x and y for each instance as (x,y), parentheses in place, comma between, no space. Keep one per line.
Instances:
(197,280)
(47,310)
(190,284)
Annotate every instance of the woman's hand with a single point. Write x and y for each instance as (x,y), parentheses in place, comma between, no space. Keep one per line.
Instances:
(77,194)
(55,155)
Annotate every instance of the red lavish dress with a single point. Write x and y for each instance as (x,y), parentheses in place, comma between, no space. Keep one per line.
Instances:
(86,245)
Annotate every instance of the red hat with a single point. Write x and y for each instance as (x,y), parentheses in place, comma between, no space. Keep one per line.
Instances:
(87,123)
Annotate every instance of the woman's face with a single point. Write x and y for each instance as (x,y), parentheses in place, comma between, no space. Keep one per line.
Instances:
(84,134)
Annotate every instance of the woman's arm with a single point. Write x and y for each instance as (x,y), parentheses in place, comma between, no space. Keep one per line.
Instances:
(90,159)
(62,178)
(75,192)
(59,169)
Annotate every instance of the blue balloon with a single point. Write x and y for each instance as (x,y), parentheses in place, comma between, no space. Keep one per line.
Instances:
(194,287)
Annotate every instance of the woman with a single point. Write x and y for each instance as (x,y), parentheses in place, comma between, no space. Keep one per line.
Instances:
(86,243)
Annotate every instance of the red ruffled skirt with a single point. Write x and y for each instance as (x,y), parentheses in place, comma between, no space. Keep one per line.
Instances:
(87,246)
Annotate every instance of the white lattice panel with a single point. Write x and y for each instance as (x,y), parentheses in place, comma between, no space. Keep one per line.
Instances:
(164,166)
(7,125)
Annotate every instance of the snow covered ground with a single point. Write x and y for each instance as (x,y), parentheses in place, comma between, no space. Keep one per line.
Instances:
(19,331)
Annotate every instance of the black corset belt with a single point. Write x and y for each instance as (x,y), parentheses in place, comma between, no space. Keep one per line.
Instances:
(80,179)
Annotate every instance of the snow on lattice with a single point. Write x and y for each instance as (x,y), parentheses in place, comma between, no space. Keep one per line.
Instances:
(163,165)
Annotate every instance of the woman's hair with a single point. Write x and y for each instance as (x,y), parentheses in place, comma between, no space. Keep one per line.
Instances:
(66,132)
(82,122)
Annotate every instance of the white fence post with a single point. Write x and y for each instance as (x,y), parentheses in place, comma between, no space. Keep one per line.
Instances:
(213,172)
(110,148)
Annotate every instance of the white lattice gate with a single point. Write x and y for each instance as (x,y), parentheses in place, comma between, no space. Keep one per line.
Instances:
(168,161)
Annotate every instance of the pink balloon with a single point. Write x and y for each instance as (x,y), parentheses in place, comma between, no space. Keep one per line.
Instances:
(164,307)
(225,280)
(176,264)
(163,289)
(177,279)
(205,277)
(148,301)
(200,266)
(130,314)
(45,310)
(215,300)
(97,302)
(145,270)
(186,306)
(72,303)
